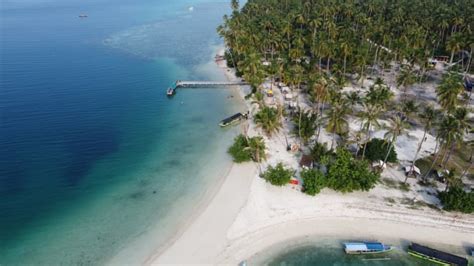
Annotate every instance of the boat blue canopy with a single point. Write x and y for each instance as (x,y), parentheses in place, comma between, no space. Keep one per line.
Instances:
(364,246)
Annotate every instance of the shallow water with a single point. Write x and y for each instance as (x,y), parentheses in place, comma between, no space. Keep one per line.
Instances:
(329,251)
(93,154)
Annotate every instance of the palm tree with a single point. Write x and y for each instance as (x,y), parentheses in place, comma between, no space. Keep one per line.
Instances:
(451,179)
(369,118)
(269,119)
(397,127)
(462,115)
(448,91)
(450,133)
(257,148)
(454,44)
(409,108)
(352,98)
(428,117)
(306,123)
(378,96)
(252,70)
(337,120)
(470,145)
(404,79)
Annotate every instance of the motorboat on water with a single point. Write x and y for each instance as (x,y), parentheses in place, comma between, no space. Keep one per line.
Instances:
(233,119)
(366,247)
(170,91)
(436,256)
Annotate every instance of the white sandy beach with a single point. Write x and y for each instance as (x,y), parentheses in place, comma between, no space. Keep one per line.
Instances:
(248,215)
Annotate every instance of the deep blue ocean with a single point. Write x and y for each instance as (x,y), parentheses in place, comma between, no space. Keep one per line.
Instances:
(93,154)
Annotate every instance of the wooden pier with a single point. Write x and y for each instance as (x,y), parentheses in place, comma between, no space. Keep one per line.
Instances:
(206,84)
(202,84)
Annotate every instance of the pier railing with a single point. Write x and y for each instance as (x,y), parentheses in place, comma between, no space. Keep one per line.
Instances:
(207,84)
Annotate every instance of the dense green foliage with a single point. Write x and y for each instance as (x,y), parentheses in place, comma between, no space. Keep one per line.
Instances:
(269,119)
(341,36)
(377,150)
(319,150)
(313,181)
(246,149)
(278,175)
(347,174)
(456,199)
(305,125)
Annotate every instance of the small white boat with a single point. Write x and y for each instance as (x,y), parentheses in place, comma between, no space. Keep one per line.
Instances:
(366,247)
(170,91)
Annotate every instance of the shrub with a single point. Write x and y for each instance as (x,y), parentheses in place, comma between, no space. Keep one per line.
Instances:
(319,150)
(377,150)
(278,175)
(247,149)
(347,174)
(239,150)
(313,181)
(456,199)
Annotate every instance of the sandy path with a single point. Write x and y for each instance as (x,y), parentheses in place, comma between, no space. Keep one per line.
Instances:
(206,236)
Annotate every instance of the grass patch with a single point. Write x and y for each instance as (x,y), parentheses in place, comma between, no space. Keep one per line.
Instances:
(424,164)
(395,184)
(423,204)
(389,200)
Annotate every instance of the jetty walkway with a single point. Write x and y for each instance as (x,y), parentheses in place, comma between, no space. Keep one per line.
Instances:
(206,84)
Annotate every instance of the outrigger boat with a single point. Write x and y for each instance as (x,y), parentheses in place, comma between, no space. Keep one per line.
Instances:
(366,247)
(436,256)
(233,119)
(170,91)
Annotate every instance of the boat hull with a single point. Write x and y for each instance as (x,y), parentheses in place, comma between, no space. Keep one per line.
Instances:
(367,252)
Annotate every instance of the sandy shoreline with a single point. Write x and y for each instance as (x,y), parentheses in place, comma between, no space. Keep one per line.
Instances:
(247,215)
(206,236)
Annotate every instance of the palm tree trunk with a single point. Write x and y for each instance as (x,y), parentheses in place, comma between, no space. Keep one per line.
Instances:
(418,150)
(465,170)
(389,150)
(434,161)
(344,69)
(333,140)
(452,57)
(366,141)
(449,155)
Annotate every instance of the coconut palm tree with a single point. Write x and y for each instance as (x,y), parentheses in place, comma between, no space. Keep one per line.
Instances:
(369,118)
(353,99)
(252,69)
(397,127)
(257,148)
(428,116)
(454,44)
(409,107)
(450,133)
(448,91)
(461,114)
(404,79)
(269,119)
(451,179)
(306,123)
(337,119)
(470,145)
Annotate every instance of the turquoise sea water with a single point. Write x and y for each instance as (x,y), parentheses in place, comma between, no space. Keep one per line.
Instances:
(93,155)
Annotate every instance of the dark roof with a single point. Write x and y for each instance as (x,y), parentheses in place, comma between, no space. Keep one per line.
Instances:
(232,118)
(306,160)
(446,257)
